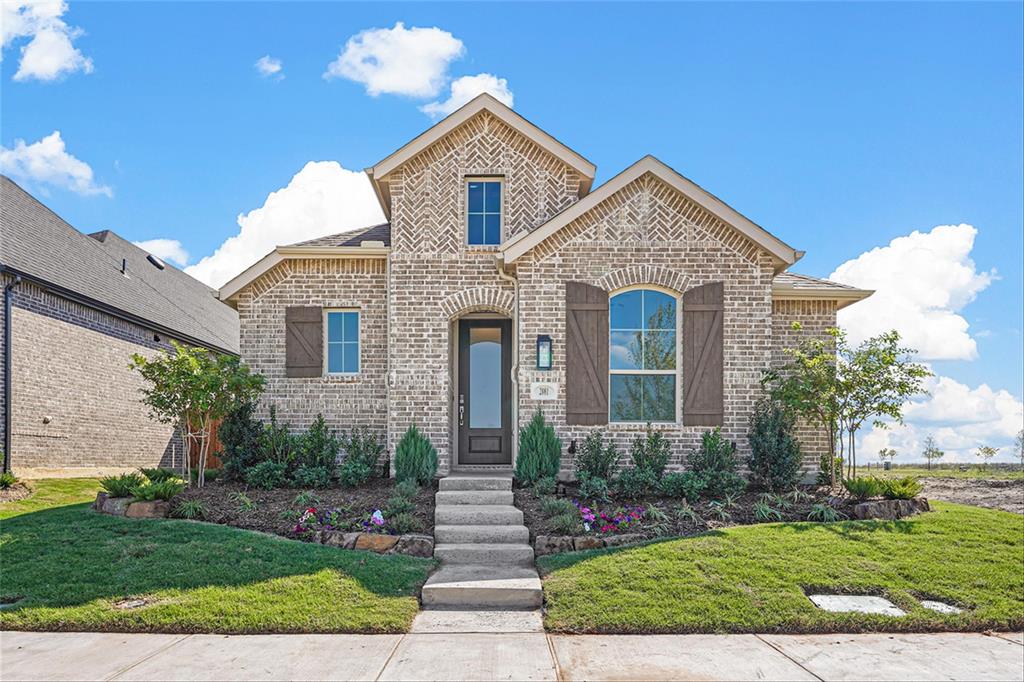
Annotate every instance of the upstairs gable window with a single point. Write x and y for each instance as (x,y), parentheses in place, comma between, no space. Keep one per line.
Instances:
(483,211)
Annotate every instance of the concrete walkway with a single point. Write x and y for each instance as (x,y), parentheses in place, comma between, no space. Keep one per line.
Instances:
(509,656)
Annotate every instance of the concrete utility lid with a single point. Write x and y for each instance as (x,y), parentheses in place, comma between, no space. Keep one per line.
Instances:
(941,607)
(852,603)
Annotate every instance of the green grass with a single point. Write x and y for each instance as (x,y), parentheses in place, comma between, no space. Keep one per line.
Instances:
(752,578)
(71,565)
(973,472)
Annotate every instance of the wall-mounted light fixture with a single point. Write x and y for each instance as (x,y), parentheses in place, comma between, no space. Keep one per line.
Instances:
(543,351)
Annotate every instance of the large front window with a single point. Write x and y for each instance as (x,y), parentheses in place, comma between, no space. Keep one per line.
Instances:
(483,212)
(342,341)
(642,357)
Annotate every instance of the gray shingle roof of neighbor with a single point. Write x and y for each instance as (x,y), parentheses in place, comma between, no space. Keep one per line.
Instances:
(792,280)
(375,233)
(37,243)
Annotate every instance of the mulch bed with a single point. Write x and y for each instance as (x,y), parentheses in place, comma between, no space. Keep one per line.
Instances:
(676,524)
(18,491)
(276,511)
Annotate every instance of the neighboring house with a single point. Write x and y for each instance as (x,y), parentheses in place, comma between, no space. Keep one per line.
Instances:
(504,284)
(76,307)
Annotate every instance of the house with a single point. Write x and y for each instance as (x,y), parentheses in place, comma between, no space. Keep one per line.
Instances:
(503,283)
(76,307)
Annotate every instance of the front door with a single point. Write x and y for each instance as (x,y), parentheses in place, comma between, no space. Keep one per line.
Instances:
(485,400)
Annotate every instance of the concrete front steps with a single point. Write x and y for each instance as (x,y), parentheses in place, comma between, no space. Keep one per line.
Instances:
(483,546)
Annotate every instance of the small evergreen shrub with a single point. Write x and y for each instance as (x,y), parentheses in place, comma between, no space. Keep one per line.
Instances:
(400,505)
(906,488)
(267,475)
(540,451)
(121,486)
(651,452)
(545,486)
(277,442)
(308,476)
(318,447)
(353,473)
(824,477)
(405,523)
(775,459)
(595,459)
(687,485)
(863,488)
(553,506)
(7,479)
(190,509)
(365,446)
(635,483)
(715,462)
(566,524)
(209,475)
(164,490)
(415,458)
(592,488)
(407,489)
(241,440)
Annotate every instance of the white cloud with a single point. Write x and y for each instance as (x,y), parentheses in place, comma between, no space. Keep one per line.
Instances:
(466,88)
(169,250)
(323,198)
(268,67)
(398,61)
(922,282)
(958,417)
(50,53)
(48,162)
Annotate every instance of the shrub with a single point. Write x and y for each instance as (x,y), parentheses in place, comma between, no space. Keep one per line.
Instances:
(540,451)
(415,458)
(362,445)
(595,459)
(190,509)
(277,442)
(553,506)
(407,489)
(308,476)
(651,452)
(593,488)
(687,485)
(545,486)
(566,524)
(267,475)
(775,459)
(824,513)
(121,486)
(715,462)
(159,474)
(209,475)
(864,487)
(7,479)
(824,477)
(353,473)
(164,490)
(634,483)
(241,440)
(405,523)
(905,488)
(400,505)
(318,447)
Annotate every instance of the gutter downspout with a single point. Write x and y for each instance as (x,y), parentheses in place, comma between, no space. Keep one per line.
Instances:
(499,263)
(8,296)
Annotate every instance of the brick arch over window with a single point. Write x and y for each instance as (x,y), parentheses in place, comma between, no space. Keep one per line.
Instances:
(636,275)
(478,299)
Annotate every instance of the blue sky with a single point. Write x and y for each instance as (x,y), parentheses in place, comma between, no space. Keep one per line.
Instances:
(838,127)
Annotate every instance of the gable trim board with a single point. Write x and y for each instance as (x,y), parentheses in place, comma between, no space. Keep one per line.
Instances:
(483,102)
(782,254)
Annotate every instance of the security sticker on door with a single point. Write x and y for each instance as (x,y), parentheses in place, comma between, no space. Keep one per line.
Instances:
(544,390)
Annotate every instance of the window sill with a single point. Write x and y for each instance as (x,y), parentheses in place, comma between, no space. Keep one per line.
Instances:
(482,248)
(341,378)
(642,426)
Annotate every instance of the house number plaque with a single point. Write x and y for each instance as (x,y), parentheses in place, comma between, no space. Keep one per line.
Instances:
(544,390)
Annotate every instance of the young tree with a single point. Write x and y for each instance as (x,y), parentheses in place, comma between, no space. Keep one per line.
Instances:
(886,455)
(985,453)
(192,388)
(931,452)
(1018,447)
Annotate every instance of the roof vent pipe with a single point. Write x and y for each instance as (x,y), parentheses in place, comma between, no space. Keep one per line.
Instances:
(124,267)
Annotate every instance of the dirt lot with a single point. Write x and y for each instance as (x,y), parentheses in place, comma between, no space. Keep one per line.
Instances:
(1007,495)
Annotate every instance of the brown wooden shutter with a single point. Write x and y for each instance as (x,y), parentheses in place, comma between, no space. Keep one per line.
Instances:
(703,358)
(586,354)
(304,341)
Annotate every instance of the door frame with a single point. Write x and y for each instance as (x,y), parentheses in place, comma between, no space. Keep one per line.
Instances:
(460,383)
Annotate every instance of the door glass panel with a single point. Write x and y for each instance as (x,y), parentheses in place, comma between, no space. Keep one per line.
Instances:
(484,378)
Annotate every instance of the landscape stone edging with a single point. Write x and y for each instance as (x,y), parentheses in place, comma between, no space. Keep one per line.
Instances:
(131,508)
(555,544)
(410,544)
(890,509)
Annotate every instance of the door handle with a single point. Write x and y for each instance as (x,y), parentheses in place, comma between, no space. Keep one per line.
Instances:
(462,409)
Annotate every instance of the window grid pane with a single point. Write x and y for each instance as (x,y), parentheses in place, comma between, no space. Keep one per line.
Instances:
(643,337)
(483,213)
(343,342)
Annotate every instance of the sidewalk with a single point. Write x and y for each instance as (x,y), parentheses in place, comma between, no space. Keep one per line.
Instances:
(509,656)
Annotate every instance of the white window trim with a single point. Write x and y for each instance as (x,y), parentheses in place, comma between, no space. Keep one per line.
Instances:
(677,372)
(500,179)
(327,341)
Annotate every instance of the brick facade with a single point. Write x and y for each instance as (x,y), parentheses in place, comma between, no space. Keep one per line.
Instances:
(75,401)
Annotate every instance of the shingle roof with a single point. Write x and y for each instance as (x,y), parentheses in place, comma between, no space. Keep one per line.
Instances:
(376,233)
(792,280)
(36,242)
(790,286)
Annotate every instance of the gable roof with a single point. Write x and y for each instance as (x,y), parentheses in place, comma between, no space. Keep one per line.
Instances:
(783,254)
(38,245)
(792,286)
(482,102)
(377,233)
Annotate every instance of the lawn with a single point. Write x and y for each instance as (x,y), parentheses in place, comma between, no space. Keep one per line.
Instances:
(973,472)
(753,578)
(71,566)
